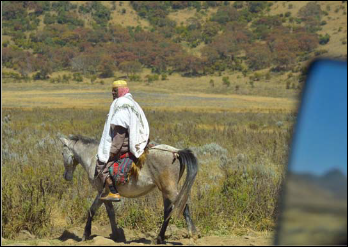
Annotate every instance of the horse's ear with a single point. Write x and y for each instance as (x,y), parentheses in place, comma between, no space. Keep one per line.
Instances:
(64,141)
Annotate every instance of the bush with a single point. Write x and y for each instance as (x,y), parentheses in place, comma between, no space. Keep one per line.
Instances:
(66,78)
(211,82)
(164,77)
(257,77)
(93,78)
(320,52)
(135,78)
(226,81)
(77,77)
(152,78)
(324,39)
(39,76)
(268,76)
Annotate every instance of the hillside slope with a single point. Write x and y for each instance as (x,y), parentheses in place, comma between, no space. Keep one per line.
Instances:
(247,45)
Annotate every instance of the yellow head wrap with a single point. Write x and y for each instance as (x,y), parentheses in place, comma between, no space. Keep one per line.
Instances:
(119,83)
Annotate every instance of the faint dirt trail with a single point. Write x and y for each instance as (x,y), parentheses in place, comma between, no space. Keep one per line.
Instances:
(174,235)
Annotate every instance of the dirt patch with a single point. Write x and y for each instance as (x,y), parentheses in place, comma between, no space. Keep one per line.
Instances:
(174,236)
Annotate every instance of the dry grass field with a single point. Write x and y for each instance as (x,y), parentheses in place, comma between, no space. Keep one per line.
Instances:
(238,139)
(166,96)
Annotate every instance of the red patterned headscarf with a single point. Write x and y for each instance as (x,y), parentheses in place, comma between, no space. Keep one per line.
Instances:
(122,91)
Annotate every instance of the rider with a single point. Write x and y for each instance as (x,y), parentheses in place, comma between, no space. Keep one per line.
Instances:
(126,130)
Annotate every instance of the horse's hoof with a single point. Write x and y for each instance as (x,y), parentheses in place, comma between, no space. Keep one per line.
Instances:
(160,240)
(118,238)
(85,238)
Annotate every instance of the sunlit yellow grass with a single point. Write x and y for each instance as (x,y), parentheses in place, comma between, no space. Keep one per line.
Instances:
(100,98)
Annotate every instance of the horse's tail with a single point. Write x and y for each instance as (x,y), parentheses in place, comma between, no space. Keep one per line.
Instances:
(187,159)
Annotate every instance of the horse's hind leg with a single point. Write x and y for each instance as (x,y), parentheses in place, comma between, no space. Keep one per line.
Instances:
(190,226)
(116,235)
(91,212)
(167,209)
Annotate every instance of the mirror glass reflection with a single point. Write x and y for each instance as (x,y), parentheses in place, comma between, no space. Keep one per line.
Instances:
(315,201)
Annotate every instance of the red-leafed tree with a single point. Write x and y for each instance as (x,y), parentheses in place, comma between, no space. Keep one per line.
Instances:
(106,67)
(259,56)
(307,41)
(130,67)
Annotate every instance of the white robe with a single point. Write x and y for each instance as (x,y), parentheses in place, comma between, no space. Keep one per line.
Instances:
(125,112)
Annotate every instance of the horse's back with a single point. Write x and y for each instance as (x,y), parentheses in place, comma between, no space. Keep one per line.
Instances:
(161,167)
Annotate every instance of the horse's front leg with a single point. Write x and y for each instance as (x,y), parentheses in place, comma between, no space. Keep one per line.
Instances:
(117,234)
(91,212)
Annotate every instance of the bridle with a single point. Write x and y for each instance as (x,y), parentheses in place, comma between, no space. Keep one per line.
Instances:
(71,155)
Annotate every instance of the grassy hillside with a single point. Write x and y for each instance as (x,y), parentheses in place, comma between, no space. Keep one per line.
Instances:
(250,47)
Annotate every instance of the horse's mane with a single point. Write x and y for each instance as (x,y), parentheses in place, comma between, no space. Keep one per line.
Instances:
(83,139)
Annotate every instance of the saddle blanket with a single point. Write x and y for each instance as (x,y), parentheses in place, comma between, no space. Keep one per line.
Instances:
(120,170)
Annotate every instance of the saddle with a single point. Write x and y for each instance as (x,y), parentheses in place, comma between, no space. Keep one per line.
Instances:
(120,171)
(128,165)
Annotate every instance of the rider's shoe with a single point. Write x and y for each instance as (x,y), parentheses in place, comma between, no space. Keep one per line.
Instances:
(111,197)
(110,193)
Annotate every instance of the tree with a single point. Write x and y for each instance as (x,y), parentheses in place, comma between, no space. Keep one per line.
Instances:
(256,6)
(225,15)
(130,67)
(26,64)
(186,63)
(210,29)
(312,9)
(307,41)
(106,67)
(44,67)
(87,62)
(259,57)
(284,59)
(226,45)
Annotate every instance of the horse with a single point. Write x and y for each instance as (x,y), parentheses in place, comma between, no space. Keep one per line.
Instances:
(163,168)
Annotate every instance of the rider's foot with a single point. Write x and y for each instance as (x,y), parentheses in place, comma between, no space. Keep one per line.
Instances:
(110,193)
(111,197)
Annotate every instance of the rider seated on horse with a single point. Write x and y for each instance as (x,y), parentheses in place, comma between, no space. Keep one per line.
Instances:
(126,133)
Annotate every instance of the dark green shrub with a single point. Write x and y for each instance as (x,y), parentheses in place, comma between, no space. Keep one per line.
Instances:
(226,81)
(324,39)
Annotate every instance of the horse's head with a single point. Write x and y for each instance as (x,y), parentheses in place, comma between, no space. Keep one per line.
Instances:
(70,162)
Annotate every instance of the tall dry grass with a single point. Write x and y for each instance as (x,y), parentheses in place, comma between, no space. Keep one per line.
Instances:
(241,166)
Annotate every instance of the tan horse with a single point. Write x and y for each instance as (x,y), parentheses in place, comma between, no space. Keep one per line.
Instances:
(163,169)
